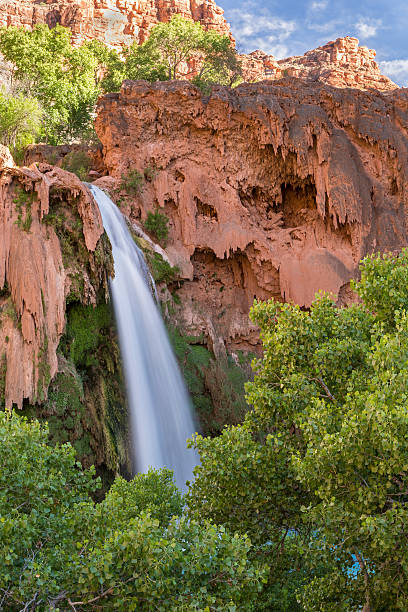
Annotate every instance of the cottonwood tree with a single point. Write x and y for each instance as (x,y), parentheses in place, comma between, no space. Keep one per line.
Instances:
(62,78)
(133,551)
(317,475)
(20,121)
(178,49)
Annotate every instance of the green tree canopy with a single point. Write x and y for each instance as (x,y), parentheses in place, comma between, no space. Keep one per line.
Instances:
(61,77)
(317,474)
(178,49)
(133,551)
(20,121)
(66,81)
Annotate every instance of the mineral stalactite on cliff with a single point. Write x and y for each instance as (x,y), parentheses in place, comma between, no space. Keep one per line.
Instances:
(34,282)
(272,189)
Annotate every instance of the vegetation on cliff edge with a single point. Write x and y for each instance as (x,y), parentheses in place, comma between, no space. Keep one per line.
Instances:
(54,86)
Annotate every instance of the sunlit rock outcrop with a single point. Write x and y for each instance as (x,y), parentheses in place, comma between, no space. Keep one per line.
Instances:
(340,63)
(115,22)
(272,189)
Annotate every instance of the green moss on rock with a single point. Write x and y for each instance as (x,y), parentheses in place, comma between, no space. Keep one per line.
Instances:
(216,388)
(91,344)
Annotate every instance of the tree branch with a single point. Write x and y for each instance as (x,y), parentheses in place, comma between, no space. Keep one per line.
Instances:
(325,387)
(367,607)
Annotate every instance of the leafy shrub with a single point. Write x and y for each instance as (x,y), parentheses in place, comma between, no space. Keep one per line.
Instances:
(161,270)
(77,162)
(157,225)
(150,173)
(132,182)
(133,551)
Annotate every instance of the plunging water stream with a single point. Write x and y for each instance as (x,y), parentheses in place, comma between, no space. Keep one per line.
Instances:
(160,412)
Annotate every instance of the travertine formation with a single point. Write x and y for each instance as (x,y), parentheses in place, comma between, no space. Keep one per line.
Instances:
(272,189)
(341,63)
(33,280)
(115,22)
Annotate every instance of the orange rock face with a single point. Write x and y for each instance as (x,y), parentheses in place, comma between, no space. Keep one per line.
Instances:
(115,22)
(272,189)
(33,280)
(341,63)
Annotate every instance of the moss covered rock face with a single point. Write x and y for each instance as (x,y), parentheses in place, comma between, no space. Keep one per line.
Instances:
(217,387)
(59,358)
(86,403)
(91,344)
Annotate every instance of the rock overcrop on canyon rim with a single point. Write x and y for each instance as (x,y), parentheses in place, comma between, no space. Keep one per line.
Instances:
(272,189)
(340,63)
(115,22)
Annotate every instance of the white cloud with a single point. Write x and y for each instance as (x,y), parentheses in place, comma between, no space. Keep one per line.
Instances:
(368,29)
(319,5)
(397,70)
(261,30)
(326,27)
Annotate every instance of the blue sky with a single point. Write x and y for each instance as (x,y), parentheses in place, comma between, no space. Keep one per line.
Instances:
(291,27)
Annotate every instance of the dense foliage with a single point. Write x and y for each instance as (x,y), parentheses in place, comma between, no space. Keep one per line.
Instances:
(178,49)
(20,121)
(317,473)
(133,551)
(65,81)
(62,78)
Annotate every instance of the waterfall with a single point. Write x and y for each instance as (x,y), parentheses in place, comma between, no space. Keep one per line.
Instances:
(160,412)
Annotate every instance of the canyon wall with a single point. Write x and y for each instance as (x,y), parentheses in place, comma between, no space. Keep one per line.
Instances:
(272,189)
(341,63)
(115,22)
(32,270)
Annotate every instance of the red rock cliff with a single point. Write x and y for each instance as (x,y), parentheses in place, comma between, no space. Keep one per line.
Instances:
(115,22)
(341,63)
(272,189)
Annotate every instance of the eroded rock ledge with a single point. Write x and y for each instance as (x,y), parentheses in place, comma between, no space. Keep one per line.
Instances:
(272,189)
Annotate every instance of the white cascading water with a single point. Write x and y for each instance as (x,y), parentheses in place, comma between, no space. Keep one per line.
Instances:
(160,411)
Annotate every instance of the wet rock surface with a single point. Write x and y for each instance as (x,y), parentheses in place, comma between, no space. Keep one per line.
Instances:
(34,282)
